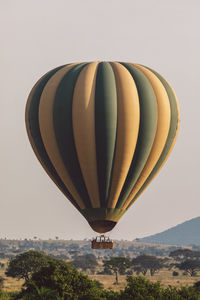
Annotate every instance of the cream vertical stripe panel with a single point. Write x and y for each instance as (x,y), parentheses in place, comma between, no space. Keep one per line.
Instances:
(128,118)
(48,134)
(83,120)
(163,125)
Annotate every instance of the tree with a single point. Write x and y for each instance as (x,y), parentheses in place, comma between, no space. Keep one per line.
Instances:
(25,264)
(143,263)
(2,265)
(191,266)
(182,254)
(85,262)
(66,281)
(117,265)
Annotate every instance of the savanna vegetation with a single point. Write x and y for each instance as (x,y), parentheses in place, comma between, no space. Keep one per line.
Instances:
(81,277)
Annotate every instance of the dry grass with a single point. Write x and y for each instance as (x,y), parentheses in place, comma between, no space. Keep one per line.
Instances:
(10,284)
(108,281)
(164,276)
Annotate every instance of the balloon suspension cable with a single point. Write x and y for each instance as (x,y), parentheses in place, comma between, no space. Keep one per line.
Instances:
(102,242)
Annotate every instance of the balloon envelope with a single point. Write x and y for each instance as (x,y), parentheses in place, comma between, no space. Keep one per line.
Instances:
(102,131)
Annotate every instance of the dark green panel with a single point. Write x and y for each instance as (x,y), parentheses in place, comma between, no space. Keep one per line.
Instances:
(62,114)
(147,130)
(103,220)
(36,135)
(171,134)
(94,214)
(105,126)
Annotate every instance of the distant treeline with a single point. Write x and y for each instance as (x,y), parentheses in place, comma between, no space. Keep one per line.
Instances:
(65,249)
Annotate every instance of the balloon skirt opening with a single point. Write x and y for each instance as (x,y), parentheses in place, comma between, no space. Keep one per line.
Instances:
(102,226)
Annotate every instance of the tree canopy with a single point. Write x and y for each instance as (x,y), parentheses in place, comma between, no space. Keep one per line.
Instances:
(181,254)
(66,282)
(143,263)
(27,263)
(85,262)
(191,266)
(117,265)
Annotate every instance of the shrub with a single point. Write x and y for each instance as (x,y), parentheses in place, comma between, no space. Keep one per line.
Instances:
(175,273)
(142,289)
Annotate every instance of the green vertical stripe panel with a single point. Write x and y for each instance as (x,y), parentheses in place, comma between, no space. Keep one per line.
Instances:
(105,126)
(147,130)
(62,116)
(36,135)
(171,135)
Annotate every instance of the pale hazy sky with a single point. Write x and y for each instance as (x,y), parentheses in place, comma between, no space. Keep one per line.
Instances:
(37,36)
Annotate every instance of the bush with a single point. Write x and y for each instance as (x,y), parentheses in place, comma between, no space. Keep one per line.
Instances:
(175,273)
(1,282)
(98,284)
(139,288)
(7,295)
(142,289)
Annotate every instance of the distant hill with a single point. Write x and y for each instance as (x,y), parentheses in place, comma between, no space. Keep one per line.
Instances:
(184,234)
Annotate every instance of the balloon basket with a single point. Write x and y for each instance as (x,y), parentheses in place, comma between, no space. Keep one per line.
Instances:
(102,242)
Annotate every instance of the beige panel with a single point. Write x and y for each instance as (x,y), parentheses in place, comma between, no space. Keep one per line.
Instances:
(163,125)
(128,118)
(48,133)
(177,130)
(83,120)
(30,137)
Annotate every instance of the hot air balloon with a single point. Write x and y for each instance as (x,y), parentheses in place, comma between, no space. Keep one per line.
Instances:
(102,131)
